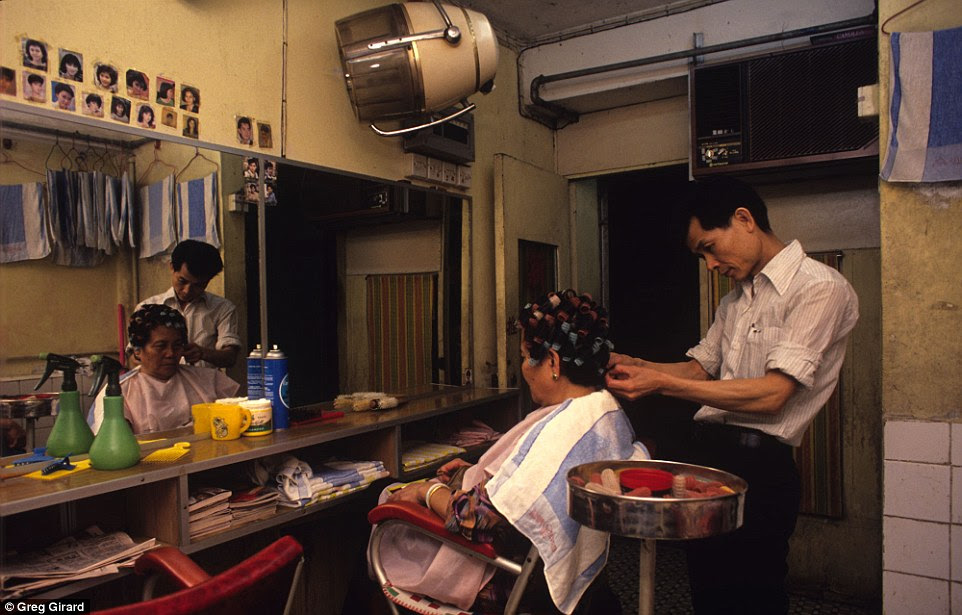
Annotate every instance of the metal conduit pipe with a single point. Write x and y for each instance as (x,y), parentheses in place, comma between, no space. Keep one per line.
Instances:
(569,116)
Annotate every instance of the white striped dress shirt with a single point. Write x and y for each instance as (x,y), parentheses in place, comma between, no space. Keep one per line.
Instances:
(794,317)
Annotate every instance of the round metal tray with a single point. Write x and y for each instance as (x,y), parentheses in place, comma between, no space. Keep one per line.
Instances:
(661,518)
(27,406)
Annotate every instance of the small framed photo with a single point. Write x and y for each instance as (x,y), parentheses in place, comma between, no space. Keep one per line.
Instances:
(8,81)
(145,116)
(93,104)
(265,137)
(168,117)
(250,169)
(245,129)
(165,92)
(120,109)
(250,192)
(63,96)
(190,99)
(105,77)
(191,127)
(270,171)
(34,53)
(270,197)
(137,84)
(34,87)
(71,65)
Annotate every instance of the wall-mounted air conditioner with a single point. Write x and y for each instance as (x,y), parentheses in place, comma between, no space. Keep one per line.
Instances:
(784,109)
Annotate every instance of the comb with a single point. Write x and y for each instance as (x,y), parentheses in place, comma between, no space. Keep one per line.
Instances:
(171,453)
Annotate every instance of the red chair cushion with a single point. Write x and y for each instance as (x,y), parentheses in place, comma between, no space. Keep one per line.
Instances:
(423,518)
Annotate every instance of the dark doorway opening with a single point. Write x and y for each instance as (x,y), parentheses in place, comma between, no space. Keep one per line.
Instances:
(653,290)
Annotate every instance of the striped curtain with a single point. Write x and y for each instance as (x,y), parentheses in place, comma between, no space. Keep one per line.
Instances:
(401,310)
(819,457)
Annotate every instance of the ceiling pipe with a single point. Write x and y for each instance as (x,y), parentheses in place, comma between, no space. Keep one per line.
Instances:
(568,116)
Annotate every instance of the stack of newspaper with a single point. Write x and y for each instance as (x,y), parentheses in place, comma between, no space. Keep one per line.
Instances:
(208,511)
(93,554)
(253,504)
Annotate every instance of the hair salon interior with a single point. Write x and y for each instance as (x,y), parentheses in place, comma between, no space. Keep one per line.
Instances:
(380,256)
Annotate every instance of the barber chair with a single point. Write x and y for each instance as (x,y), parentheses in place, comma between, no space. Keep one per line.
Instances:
(263,583)
(420,519)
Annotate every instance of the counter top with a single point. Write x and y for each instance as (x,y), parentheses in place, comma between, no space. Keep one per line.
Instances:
(21,494)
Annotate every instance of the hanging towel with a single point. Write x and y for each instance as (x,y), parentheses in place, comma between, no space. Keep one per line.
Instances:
(112,203)
(925,114)
(158,231)
(66,231)
(128,209)
(197,210)
(23,223)
(88,209)
(104,241)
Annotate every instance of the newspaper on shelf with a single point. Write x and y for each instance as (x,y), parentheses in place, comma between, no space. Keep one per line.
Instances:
(90,555)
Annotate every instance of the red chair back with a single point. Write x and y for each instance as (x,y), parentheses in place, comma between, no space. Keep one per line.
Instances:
(260,584)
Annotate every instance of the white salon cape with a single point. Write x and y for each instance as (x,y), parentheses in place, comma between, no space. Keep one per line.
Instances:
(154,405)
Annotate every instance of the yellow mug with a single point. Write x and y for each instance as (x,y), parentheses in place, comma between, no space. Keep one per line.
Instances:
(228,421)
(201,415)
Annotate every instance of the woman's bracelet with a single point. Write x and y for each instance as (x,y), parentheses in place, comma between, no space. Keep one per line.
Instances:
(431,490)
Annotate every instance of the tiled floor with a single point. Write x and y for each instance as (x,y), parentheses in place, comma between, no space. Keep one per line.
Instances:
(671,583)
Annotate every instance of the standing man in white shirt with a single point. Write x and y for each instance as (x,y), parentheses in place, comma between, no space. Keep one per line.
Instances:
(213,340)
(768,364)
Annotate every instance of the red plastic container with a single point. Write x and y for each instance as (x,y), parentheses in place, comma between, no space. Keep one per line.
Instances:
(656,480)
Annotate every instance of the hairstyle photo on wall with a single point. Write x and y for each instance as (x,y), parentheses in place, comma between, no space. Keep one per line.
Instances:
(168,117)
(8,81)
(245,130)
(191,127)
(71,65)
(93,104)
(137,84)
(34,87)
(105,77)
(264,136)
(165,92)
(34,53)
(120,109)
(190,99)
(145,116)
(63,96)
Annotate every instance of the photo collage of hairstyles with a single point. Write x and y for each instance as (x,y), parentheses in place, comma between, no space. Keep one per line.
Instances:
(251,176)
(107,92)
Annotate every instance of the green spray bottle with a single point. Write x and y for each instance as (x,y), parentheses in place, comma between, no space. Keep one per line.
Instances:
(70,434)
(114,447)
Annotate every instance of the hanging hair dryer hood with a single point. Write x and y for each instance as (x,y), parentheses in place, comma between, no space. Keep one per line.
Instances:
(405,60)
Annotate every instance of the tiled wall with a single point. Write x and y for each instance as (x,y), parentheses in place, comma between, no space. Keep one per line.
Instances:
(922,524)
(24,386)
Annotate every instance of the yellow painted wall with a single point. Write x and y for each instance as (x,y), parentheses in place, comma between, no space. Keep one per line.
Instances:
(921,258)
(232,51)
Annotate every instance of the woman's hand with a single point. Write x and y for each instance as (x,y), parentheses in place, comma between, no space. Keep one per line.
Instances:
(446,471)
(411,493)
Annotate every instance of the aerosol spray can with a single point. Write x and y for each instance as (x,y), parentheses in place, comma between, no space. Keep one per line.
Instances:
(275,386)
(255,374)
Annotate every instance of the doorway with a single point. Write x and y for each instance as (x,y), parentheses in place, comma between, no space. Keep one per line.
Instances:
(652,289)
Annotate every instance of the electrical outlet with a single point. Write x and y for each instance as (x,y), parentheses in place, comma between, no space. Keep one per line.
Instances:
(464,176)
(417,166)
(435,170)
(449,172)
(234,203)
(868,100)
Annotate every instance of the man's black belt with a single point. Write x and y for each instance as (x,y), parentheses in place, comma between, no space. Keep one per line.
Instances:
(735,436)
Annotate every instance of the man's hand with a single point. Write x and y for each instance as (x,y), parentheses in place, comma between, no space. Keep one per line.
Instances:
(193,353)
(631,381)
(622,359)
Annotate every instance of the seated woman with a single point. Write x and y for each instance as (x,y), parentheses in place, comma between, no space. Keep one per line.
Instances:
(159,392)
(520,483)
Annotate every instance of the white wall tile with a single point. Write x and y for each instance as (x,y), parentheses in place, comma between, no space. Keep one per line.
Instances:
(918,490)
(957,445)
(926,442)
(904,594)
(956,495)
(915,547)
(957,597)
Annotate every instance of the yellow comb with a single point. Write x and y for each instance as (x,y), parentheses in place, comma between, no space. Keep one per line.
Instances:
(171,453)
(77,467)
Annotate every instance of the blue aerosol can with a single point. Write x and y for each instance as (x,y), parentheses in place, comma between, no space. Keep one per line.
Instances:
(255,373)
(276,385)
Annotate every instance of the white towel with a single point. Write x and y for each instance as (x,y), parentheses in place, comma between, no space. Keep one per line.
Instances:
(158,230)
(531,488)
(925,114)
(197,210)
(23,223)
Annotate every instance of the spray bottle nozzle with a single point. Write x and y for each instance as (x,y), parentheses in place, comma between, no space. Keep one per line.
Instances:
(67,365)
(109,368)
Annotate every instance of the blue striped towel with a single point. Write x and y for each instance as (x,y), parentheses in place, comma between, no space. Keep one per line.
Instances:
(925,115)
(531,488)
(23,223)
(197,210)
(158,231)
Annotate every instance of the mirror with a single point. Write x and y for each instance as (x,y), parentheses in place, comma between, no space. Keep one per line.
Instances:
(328,243)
